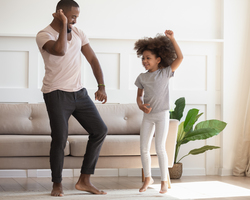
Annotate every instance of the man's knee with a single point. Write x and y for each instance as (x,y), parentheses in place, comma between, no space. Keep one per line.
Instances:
(99,132)
(105,130)
(59,140)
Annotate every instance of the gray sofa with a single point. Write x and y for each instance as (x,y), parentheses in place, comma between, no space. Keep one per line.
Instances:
(25,138)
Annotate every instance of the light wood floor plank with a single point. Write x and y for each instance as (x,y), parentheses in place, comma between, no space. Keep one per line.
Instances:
(30,185)
(10,184)
(44,182)
(1,189)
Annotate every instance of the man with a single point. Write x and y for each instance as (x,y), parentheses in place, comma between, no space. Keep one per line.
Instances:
(61,45)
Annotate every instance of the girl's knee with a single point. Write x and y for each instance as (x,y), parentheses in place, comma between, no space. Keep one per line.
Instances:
(161,151)
(145,150)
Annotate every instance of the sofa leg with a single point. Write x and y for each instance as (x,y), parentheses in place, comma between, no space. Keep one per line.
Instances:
(142,175)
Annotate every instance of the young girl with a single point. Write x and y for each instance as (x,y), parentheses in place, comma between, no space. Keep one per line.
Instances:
(161,56)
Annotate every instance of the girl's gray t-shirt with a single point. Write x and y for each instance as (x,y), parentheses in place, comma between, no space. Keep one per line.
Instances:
(156,88)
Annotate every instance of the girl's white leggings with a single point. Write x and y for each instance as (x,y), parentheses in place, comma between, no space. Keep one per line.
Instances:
(160,123)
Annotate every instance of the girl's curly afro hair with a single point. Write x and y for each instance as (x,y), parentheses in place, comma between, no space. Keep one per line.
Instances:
(161,46)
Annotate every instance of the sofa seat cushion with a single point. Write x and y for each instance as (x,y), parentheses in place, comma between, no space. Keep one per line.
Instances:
(114,145)
(26,145)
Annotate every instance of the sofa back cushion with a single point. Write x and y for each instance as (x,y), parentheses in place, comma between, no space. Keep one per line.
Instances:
(26,119)
(119,118)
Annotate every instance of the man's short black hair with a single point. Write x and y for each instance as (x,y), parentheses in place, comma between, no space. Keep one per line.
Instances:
(66,5)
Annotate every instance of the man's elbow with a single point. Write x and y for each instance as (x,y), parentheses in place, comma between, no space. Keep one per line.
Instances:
(58,52)
(62,53)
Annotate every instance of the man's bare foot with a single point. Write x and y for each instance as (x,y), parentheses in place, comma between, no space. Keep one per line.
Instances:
(84,184)
(57,190)
(164,187)
(148,181)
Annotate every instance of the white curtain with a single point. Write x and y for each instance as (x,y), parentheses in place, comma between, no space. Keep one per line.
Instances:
(242,161)
(242,166)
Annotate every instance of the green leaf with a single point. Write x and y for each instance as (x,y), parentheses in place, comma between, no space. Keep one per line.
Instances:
(197,117)
(199,151)
(200,134)
(202,149)
(204,130)
(178,110)
(216,124)
(190,119)
(180,136)
(181,133)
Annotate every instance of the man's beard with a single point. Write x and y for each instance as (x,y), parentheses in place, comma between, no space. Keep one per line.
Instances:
(69,30)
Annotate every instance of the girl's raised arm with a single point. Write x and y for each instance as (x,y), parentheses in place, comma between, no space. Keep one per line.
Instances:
(178,60)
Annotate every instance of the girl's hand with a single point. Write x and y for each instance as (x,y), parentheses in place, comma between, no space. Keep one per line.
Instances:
(169,34)
(144,108)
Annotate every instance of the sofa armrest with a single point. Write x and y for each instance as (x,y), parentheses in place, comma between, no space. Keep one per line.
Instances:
(171,140)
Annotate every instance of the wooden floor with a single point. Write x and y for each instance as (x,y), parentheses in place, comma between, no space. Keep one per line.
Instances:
(202,187)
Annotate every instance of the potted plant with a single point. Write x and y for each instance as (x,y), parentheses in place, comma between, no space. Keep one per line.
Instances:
(186,133)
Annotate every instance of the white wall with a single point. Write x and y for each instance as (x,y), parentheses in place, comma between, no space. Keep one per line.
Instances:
(190,19)
(213,35)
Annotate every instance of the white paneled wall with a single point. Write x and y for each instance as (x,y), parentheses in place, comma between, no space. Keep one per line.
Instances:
(16,70)
(19,70)
(213,40)
(198,80)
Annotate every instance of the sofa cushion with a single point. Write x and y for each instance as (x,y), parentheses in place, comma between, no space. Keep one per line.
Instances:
(24,119)
(120,119)
(114,145)
(32,119)
(26,145)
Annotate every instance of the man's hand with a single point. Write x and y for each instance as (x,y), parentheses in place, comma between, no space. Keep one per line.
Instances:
(101,95)
(144,108)
(60,16)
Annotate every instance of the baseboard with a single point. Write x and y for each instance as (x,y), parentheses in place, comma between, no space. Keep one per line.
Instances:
(105,172)
(47,173)
(13,174)
(194,172)
(225,172)
(39,173)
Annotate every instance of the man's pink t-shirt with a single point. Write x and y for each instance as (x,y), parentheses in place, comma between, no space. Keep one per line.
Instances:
(62,72)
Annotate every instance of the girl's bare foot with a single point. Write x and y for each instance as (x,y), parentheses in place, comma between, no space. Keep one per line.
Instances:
(164,187)
(57,190)
(84,184)
(148,181)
